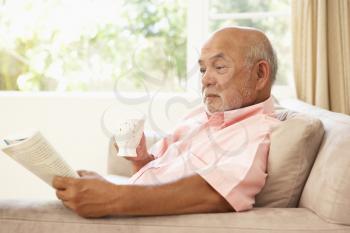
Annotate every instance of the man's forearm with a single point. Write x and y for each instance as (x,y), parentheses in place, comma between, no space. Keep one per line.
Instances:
(188,195)
(92,196)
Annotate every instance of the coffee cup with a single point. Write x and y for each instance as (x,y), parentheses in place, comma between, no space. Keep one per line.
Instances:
(128,135)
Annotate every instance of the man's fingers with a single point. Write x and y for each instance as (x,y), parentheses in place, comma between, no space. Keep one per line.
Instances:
(61,183)
(83,173)
(68,205)
(61,194)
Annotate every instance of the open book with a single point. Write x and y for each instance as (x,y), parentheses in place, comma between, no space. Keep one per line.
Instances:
(37,155)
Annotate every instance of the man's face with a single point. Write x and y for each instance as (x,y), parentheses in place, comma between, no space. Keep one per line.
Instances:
(226,79)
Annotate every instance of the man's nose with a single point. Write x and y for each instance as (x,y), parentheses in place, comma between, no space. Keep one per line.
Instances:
(208,78)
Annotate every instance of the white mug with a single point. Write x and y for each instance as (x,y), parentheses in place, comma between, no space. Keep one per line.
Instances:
(128,135)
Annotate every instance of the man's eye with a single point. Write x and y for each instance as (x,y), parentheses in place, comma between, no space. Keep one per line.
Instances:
(221,69)
(202,70)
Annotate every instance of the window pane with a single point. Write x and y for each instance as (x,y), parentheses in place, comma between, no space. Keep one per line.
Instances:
(92,45)
(277,28)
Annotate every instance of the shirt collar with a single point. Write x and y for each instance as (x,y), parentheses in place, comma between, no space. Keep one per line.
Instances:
(230,116)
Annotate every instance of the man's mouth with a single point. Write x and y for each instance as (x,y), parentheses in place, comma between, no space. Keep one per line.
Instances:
(210,95)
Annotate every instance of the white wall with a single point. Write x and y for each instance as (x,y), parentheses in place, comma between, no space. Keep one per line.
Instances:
(72,123)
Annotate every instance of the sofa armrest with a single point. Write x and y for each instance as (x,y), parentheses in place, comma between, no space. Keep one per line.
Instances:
(118,165)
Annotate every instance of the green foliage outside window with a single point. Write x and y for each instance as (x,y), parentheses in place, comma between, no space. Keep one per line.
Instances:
(89,45)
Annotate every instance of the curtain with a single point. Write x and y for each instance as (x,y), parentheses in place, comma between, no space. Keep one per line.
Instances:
(321,52)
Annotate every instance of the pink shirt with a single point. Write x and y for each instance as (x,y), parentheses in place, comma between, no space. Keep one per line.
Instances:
(228,149)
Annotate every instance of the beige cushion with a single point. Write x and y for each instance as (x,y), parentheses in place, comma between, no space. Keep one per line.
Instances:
(294,145)
(327,191)
(21,216)
(117,165)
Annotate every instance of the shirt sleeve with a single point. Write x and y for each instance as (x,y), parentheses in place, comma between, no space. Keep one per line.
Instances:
(239,179)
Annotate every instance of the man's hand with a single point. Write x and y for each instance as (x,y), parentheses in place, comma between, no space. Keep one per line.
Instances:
(143,157)
(89,196)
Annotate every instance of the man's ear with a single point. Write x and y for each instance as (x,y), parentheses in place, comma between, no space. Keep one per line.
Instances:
(263,72)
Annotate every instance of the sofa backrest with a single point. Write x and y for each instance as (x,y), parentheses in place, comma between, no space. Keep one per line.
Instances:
(327,190)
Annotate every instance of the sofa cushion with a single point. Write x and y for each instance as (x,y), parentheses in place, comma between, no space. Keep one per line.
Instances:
(294,145)
(327,191)
(117,165)
(51,216)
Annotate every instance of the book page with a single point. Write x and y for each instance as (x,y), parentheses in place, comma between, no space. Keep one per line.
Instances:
(37,155)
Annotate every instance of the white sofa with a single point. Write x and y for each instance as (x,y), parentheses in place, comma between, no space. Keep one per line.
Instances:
(324,204)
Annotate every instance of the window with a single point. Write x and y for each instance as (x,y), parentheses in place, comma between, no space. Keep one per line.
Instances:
(96,45)
(92,45)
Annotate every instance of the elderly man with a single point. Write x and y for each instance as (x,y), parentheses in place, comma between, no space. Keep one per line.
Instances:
(215,160)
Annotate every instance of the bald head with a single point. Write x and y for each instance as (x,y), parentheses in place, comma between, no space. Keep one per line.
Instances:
(238,67)
(249,43)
